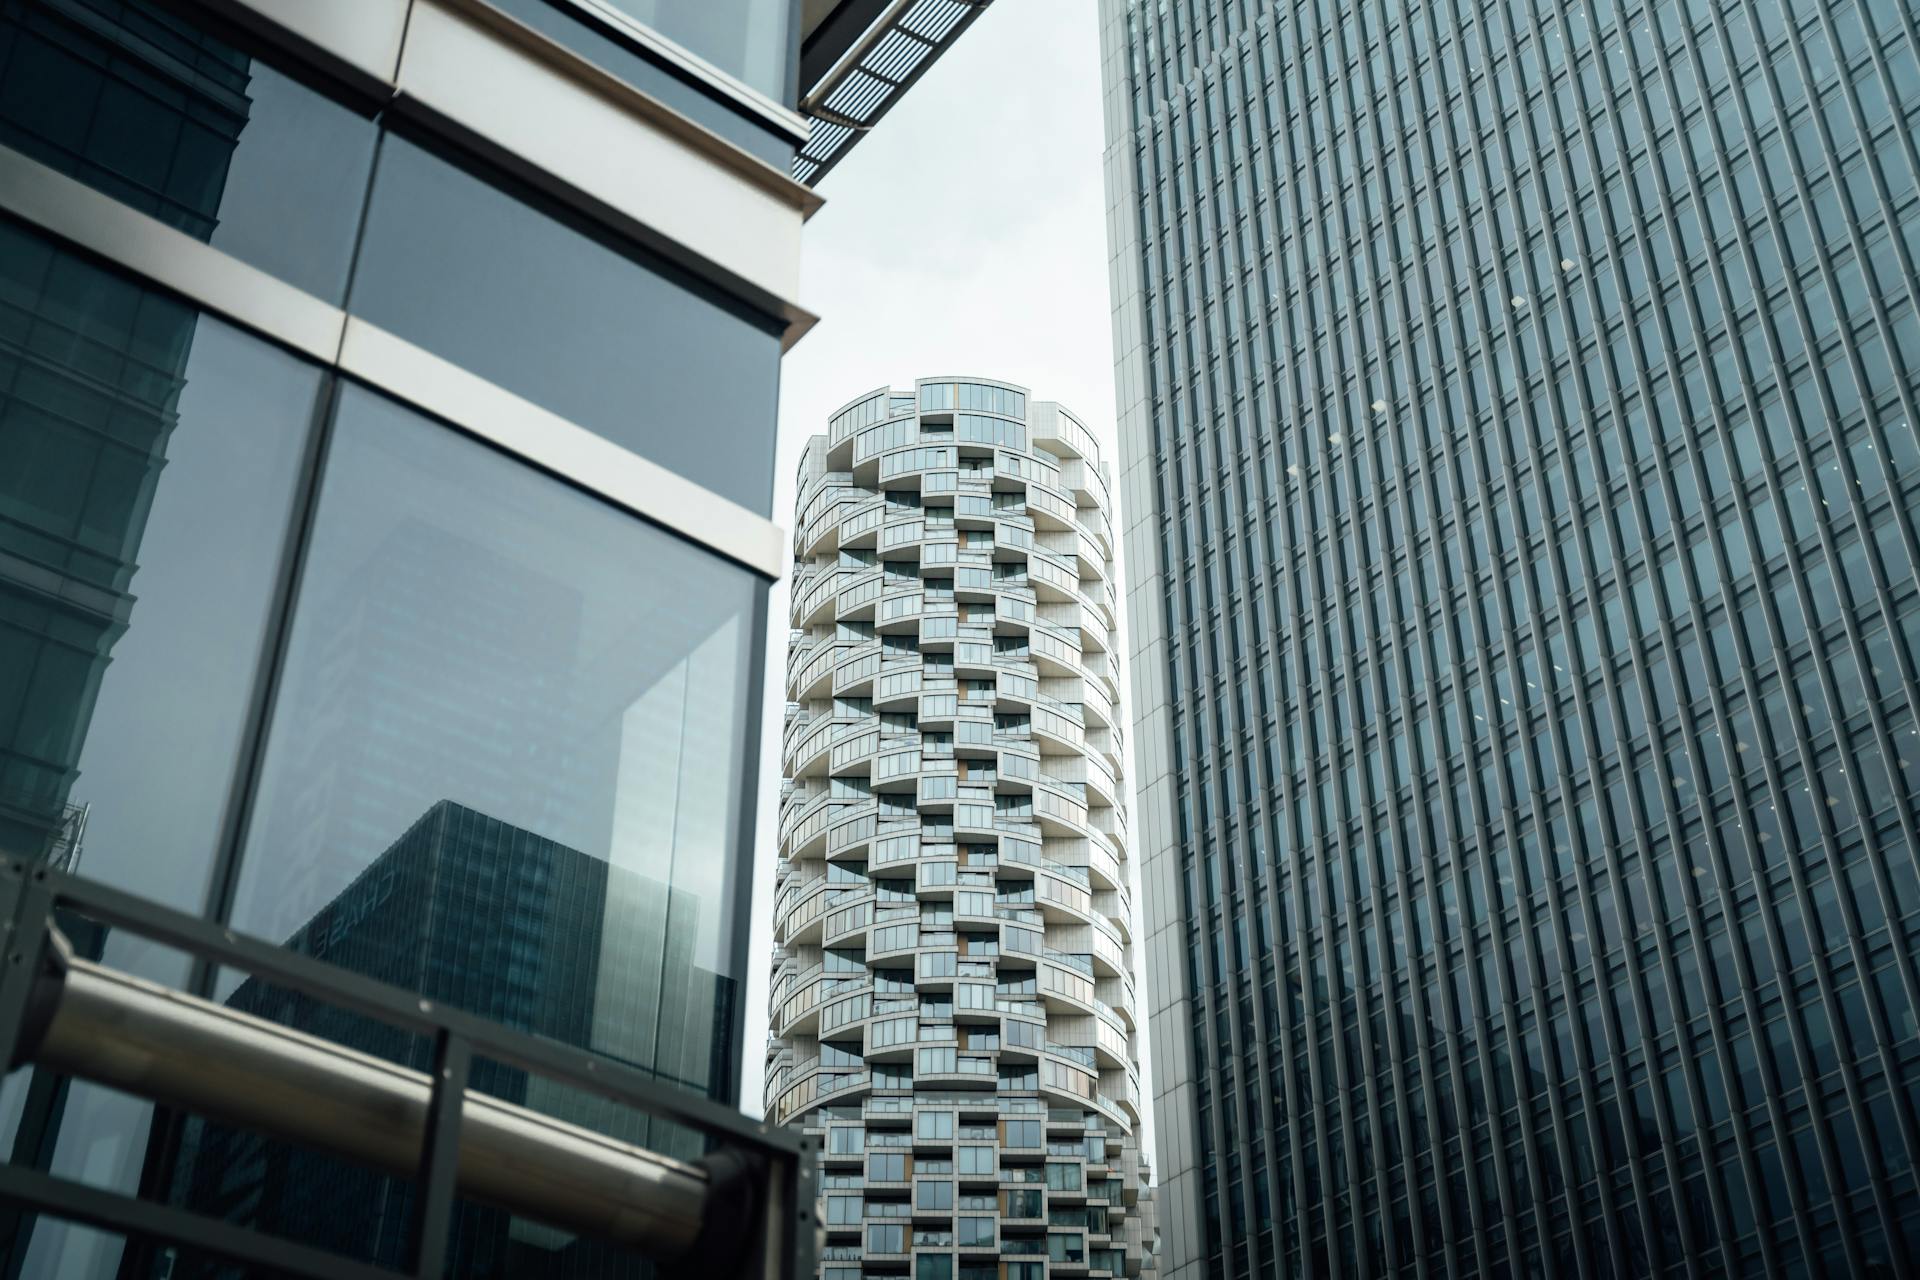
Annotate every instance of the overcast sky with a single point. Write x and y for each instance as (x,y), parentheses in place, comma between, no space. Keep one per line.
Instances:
(965,235)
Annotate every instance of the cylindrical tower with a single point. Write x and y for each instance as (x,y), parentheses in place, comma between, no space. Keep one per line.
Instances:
(952,997)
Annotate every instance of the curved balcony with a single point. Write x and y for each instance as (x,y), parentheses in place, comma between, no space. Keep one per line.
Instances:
(899,610)
(1103,866)
(1064,987)
(1110,746)
(1102,785)
(857,414)
(807,757)
(1054,653)
(1060,898)
(847,831)
(814,678)
(1097,525)
(908,527)
(1057,812)
(844,922)
(860,525)
(802,826)
(898,688)
(903,468)
(1087,485)
(796,918)
(1109,956)
(1097,709)
(852,755)
(813,603)
(854,673)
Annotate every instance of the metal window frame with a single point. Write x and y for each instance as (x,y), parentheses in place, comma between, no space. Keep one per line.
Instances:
(29,897)
(236,291)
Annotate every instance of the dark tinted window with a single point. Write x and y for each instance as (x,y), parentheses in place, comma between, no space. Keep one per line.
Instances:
(147,466)
(595,34)
(170,119)
(748,39)
(545,310)
(148,462)
(508,704)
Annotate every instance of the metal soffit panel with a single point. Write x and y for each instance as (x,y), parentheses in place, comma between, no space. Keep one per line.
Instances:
(860,88)
(257,301)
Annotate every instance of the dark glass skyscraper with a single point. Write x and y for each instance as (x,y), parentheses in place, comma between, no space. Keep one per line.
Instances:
(1517,416)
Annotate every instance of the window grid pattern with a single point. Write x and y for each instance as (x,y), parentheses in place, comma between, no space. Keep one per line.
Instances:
(1530,392)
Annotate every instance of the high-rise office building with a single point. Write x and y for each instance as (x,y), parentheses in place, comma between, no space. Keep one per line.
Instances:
(387,400)
(952,997)
(1517,416)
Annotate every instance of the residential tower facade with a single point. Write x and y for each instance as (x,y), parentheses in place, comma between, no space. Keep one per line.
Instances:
(952,997)
(1517,416)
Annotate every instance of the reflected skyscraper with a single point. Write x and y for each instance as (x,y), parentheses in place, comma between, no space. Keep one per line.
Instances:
(1517,417)
(93,397)
(497,921)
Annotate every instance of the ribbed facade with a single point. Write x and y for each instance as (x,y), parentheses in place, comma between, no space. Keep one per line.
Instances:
(1517,404)
(952,996)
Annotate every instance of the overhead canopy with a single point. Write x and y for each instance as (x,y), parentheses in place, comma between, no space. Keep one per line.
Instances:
(857,57)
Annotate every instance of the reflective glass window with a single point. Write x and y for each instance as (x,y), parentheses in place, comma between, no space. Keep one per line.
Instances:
(747,39)
(155,111)
(551,312)
(149,461)
(597,32)
(506,756)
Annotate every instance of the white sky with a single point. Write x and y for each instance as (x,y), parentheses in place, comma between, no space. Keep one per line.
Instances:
(965,235)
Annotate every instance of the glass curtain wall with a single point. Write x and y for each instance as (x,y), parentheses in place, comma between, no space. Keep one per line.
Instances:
(278,648)
(1527,410)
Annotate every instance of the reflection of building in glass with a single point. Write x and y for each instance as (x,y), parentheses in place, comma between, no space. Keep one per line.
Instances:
(500,922)
(129,98)
(90,399)
(414,689)
(410,696)
(98,427)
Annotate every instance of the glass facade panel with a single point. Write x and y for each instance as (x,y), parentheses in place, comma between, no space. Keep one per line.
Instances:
(280,651)
(148,459)
(154,110)
(585,29)
(507,702)
(629,350)
(1530,480)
